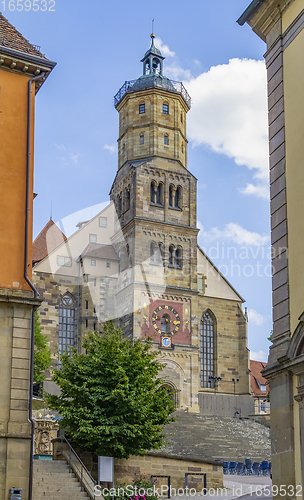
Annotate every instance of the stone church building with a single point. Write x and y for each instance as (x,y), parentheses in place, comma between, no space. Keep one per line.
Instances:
(138,260)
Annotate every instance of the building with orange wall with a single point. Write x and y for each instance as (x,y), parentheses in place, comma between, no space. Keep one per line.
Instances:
(23,70)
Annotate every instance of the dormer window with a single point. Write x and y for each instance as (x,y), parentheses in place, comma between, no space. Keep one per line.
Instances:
(166,109)
(142,109)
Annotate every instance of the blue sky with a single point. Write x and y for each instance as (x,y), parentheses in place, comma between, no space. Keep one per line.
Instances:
(97,46)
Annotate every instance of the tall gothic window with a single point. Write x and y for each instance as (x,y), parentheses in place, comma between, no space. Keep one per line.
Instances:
(67,324)
(207,350)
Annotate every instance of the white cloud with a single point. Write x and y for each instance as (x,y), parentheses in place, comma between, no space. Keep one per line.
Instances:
(175,72)
(230,115)
(60,146)
(233,232)
(258,356)
(163,48)
(255,318)
(260,190)
(112,149)
(74,158)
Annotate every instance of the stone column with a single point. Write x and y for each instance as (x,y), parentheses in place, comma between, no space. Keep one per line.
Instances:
(15,429)
(300,399)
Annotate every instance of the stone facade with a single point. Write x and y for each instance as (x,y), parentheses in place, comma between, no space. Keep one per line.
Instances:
(15,428)
(166,287)
(126,470)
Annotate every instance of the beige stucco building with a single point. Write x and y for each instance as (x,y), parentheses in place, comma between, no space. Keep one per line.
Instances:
(159,282)
(280,25)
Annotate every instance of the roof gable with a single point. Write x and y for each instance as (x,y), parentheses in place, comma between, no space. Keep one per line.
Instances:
(217,284)
(47,240)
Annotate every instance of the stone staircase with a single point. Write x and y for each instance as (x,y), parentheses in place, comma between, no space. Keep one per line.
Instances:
(53,480)
(217,438)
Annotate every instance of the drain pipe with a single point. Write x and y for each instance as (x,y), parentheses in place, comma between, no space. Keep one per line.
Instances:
(36,294)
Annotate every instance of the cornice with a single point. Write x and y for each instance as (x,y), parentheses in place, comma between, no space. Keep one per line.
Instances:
(266,16)
(21,63)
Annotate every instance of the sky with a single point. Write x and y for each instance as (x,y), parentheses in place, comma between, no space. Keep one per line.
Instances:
(97,47)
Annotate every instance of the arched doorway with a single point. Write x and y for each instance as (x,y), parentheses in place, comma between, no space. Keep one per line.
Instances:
(172,391)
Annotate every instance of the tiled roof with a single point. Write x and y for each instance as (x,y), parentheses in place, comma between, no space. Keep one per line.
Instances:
(49,239)
(255,376)
(12,39)
(98,251)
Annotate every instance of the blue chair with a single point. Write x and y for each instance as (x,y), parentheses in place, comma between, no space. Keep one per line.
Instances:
(264,468)
(232,468)
(240,468)
(225,467)
(256,468)
(248,466)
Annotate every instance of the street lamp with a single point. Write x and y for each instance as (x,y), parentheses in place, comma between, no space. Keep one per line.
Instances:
(234,380)
(215,379)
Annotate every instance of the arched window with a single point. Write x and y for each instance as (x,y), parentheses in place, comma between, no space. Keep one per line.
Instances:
(207,350)
(128,197)
(119,205)
(153,192)
(178,197)
(67,324)
(161,251)
(152,252)
(141,139)
(179,257)
(171,255)
(170,196)
(166,324)
(160,193)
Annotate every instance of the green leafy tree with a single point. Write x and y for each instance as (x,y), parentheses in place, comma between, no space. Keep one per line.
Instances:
(112,401)
(42,355)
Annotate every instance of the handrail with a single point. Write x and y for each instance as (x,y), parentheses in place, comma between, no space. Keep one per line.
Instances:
(177,87)
(87,482)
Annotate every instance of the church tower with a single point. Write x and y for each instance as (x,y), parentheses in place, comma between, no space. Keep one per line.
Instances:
(156,235)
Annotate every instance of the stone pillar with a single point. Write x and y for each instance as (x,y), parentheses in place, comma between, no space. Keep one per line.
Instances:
(300,399)
(16,308)
(282,429)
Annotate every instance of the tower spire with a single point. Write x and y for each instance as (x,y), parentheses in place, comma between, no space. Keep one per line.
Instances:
(152,34)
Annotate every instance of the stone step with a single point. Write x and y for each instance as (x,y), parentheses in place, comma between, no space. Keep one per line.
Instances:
(58,496)
(217,438)
(53,480)
(44,482)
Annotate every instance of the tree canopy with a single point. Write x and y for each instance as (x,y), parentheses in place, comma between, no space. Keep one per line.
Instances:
(42,355)
(112,401)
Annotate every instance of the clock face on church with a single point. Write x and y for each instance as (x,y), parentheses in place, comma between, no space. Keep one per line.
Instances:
(166,323)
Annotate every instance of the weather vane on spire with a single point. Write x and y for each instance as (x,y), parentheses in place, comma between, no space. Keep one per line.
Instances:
(152,34)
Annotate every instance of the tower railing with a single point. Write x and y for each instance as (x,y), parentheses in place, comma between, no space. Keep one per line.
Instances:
(178,87)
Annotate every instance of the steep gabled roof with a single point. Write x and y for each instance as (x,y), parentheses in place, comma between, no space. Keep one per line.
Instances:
(256,378)
(215,275)
(47,240)
(11,38)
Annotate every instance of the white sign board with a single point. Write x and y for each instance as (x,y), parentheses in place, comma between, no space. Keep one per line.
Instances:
(105,469)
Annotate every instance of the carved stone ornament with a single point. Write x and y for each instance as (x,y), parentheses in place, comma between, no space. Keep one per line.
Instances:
(42,440)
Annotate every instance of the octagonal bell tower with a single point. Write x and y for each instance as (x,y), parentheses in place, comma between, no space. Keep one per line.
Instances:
(152,114)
